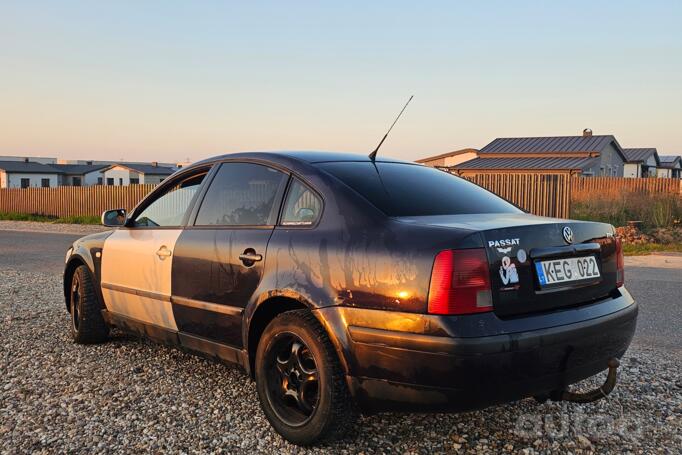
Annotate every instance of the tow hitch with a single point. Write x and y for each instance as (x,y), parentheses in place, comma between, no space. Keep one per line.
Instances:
(595,394)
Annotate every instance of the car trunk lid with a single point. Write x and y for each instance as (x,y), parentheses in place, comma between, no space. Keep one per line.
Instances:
(527,254)
(543,267)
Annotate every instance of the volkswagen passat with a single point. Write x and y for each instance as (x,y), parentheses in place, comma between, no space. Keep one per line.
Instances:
(343,285)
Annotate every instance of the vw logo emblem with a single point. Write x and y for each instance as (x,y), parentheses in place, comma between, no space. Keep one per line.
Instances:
(568,234)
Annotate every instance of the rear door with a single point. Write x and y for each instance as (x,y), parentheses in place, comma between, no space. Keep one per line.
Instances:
(218,261)
(137,259)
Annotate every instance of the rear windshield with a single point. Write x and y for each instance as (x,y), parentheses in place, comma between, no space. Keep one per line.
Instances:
(412,190)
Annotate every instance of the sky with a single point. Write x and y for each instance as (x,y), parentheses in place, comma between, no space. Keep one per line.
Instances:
(171,80)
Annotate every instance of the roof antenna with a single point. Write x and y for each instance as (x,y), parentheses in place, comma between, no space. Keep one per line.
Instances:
(373,155)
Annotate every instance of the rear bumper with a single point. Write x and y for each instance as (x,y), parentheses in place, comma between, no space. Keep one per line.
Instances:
(401,361)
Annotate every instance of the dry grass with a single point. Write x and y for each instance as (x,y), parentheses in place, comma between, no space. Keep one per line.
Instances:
(617,208)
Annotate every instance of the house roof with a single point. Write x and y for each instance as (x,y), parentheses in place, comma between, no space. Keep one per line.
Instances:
(78,168)
(142,168)
(534,163)
(27,167)
(640,155)
(670,161)
(446,155)
(555,144)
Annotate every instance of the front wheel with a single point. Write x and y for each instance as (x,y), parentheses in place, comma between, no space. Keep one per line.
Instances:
(300,381)
(87,324)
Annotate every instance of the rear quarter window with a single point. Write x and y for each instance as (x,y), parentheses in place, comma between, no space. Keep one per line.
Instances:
(401,189)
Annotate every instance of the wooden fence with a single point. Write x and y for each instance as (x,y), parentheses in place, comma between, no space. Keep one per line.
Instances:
(621,184)
(540,194)
(547,195)
(71,200)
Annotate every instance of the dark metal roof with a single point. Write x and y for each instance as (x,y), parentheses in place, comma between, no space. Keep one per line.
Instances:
(670,161)
(307,156)
(27,168)
(640,155)
(554,163)
(549,144)
(143,168)
(78,168)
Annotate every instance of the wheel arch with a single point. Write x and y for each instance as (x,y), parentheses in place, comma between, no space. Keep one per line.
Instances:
(267,310)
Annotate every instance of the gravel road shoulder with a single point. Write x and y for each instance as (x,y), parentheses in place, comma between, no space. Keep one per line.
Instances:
(129,395)
(55,228)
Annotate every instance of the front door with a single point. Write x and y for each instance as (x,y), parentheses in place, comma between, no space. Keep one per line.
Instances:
(218,262)
(137,260)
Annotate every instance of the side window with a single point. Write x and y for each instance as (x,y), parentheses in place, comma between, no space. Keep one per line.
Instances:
(169,208)
(302,207)
(242,194)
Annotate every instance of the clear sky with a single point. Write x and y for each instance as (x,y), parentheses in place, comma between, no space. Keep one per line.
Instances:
(167,80)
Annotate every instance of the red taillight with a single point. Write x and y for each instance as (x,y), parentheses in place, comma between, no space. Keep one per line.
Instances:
(460,283)
(620,263)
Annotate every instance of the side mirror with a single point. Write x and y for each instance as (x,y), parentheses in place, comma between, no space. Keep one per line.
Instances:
(114,218)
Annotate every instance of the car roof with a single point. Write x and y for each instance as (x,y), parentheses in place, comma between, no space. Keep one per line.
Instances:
(307,156)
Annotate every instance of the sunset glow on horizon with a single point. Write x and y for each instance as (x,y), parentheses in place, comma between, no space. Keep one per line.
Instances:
(168,81)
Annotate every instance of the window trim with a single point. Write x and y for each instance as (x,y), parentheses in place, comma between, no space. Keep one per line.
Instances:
(209,169)
(279,198)
(292,179)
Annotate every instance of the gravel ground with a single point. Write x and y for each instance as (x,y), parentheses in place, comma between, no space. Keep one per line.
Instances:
(36,226)
(133,396)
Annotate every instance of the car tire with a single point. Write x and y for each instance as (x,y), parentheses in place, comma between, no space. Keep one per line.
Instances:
(300,381)
(87,324)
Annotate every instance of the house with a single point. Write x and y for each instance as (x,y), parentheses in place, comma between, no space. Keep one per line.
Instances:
(80,174)
(450,158)
(574,155)
(640,162)
(33,159)
(671,167)
(27,174)
(134,173)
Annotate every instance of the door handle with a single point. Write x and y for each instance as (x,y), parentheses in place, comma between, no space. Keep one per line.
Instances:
(163,252)
(249,257)
(252,257)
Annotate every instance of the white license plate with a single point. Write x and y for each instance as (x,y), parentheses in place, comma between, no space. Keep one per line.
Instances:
(567,270)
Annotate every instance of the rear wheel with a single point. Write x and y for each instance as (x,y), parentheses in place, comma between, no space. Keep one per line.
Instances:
(87,323)
(300,382)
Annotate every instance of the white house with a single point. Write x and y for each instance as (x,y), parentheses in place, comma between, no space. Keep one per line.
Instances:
(121,174)
(450,158)
(671,167)
(25,174)
(80,174)
(640,162)
(33,159)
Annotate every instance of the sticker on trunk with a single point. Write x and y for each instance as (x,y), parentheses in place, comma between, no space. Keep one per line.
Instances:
(508,272)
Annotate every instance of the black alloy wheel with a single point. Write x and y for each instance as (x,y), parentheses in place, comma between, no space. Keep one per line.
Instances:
(292,379)
(301,384)
(75,302)
(87,323)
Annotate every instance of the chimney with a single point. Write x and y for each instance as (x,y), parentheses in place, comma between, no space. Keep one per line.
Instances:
(25,160)
(587,132)
(155,163)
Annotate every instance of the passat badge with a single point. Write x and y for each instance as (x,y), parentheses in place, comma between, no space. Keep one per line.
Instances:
(568,234)
(503,246)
